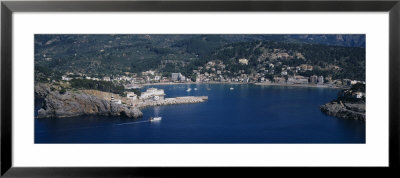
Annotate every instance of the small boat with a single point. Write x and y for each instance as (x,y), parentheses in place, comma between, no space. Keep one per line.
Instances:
(152,119)
(195,88)
(189,89)
(231,88)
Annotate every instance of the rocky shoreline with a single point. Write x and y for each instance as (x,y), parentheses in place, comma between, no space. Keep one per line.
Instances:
(72,104)
(76,103)
(344,110)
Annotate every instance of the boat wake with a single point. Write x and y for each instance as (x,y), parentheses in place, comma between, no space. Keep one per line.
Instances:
(132,123)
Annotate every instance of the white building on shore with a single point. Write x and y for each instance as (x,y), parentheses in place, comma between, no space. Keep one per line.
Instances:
(153,94)
(132,96)
(175,76)
(297,80)
(320,80)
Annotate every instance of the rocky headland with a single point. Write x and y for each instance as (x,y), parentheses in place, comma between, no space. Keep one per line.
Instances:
(350,103)
(345,110)
(77,103)
(86,102)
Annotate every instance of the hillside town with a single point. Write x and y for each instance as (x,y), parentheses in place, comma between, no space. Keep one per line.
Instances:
(215,72)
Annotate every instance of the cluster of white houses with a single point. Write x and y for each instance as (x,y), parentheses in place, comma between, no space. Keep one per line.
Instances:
(319,80)
(130,81)
(215,71)
(306,80)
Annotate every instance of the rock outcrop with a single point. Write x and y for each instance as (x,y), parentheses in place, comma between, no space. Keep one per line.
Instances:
(73,104)
(76,103)
(345,110)
(42,90)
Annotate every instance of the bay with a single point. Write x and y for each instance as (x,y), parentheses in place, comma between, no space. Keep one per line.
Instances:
(247,114)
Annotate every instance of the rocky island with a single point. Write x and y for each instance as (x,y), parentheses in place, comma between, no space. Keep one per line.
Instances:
(90,102)
(350,104)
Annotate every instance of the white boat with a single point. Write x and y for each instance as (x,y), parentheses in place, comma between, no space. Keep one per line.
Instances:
(189,89)
(152,119)
(195,88)
(231,88)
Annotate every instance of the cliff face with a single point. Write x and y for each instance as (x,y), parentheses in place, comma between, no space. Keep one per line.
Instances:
(74,104)
(345,110)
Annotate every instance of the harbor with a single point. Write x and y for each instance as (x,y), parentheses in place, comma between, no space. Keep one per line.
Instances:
(247,114)
(94,102)
(151,97)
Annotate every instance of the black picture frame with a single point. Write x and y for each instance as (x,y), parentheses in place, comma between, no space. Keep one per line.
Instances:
(8,7)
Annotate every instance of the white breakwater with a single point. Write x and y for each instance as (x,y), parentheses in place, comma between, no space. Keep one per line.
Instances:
(177,100)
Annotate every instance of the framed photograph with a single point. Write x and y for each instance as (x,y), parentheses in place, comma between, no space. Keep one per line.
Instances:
(141,88)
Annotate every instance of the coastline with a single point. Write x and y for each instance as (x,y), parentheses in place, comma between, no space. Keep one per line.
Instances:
(191,83)
(168,83)
(239,83)
(95,102)
(299,85)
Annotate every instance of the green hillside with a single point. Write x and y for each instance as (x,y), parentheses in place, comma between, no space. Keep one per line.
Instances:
(105,55)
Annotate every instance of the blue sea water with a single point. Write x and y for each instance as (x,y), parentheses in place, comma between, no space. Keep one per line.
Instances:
(247,114)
